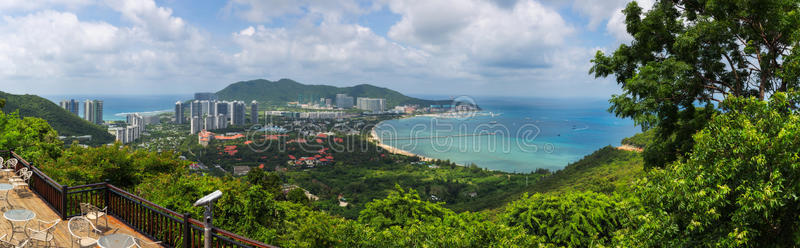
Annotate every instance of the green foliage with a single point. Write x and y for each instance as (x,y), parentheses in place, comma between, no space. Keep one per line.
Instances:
(402,209)
(66,123)
(280,92)
(269,181)
(32,138)
(606,170)
(739,185)
(120,165)
(298,196)
(692,53)
(640,140)
(575,219)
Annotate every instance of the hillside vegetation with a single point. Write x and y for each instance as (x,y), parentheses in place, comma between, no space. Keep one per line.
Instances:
(64,122)
(286,90)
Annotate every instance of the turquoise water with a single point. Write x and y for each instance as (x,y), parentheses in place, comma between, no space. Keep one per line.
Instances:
(525,134)
(116,107)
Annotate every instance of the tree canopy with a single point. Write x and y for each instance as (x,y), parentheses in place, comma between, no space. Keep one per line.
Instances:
(686,54)
(739,185)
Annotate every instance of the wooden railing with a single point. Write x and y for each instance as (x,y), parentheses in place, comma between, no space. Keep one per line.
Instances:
(156,222)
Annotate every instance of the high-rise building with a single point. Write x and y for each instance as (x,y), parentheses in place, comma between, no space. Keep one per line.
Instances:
(120,134)
(222,121)
(196,124)
(194,109)
(205,107)
(254,112)
(344,101)
(222,108)
(93,111)
(179,113)
(71,106)
(208,96)
(236,112)
(210,122)
(373,105)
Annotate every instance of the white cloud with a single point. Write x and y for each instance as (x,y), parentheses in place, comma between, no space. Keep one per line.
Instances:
(470,46)
(519,37)
(50,46)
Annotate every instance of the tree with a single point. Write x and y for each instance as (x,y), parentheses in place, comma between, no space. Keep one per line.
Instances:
(739,185)
(575,219)
(298,195)
(401,208)
(30,137)
(689,53)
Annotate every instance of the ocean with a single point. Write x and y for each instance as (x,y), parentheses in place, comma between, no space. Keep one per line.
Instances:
(512,134)
(116,107)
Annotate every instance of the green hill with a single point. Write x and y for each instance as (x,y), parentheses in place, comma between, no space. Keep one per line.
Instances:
(286,90)
(66,123)
(606,170)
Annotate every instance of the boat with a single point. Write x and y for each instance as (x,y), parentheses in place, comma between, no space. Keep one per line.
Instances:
(493,122)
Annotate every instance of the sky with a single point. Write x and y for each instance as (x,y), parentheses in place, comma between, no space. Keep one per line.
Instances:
(539,48)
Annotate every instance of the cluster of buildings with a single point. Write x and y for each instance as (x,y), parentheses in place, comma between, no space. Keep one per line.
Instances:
(135,126)
(211,114)
(374,105)
(309,115)
(92,109)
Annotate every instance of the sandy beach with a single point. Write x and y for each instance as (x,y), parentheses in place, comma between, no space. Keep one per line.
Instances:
(394,150)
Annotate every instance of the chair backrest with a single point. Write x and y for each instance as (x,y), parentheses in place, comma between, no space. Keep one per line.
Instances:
(27,176)
(78,225)
(11,163)
(22,171)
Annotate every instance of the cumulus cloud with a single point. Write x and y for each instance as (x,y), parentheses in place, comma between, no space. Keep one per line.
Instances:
(46,46)
(475,46)
(488,34)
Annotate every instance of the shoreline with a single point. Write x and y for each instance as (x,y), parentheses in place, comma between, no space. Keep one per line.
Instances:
(391,149)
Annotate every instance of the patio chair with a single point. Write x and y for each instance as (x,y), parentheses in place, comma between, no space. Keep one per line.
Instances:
(23,181)
(19,174)
(142,243)
(81,230)
(9,167)
(43,232)
(94,213)
(7,243)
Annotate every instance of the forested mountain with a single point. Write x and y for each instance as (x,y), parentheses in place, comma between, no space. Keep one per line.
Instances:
(287,90)
(66,123)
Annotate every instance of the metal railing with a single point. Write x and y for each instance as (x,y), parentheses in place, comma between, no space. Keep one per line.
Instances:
(156,222)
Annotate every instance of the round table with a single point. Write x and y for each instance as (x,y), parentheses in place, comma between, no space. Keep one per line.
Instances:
(6,187)
(18,215)
(116,241)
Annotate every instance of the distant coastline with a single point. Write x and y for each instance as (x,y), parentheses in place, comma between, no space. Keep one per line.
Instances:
(394,150)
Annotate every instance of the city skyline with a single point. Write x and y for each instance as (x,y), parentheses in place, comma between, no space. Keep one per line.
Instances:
(539,47)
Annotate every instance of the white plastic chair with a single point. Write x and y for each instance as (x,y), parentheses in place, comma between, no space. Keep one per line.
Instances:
(19,174)
(7,243)
(43,234)
(9,167)
(94,213)
(78,225)
(23,181)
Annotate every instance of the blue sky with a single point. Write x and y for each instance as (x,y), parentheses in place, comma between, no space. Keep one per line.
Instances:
(451,47)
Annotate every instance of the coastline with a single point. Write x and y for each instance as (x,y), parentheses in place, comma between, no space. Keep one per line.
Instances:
(394,150)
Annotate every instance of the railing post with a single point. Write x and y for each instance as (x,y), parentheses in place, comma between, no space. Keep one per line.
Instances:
(187,230)
(63,202)
(107,196)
